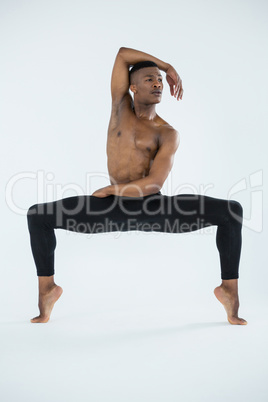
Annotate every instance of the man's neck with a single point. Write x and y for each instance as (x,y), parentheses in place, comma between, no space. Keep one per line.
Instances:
(143,111)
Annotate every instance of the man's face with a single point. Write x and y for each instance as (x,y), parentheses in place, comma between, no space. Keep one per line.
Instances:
(148,86)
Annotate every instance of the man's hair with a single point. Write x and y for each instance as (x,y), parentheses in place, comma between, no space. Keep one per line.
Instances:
(139,65)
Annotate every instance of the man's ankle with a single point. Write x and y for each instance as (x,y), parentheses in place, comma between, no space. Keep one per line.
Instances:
(230,285)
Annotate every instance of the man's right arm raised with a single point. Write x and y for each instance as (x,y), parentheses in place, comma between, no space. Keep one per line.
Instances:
(126,58)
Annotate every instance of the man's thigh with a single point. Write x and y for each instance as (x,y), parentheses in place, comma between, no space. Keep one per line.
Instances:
(156,212)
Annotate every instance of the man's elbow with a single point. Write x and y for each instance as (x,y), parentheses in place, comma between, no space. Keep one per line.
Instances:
(155,185)
(121,51)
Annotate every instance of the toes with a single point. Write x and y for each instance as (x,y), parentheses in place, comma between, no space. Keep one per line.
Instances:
(39,319)
(237,321)
(35,320)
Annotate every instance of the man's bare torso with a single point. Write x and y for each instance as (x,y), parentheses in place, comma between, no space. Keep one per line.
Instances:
(132,143)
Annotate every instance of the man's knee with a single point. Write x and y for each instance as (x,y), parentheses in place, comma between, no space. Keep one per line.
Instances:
(32,210)
(34,215)
(236,210)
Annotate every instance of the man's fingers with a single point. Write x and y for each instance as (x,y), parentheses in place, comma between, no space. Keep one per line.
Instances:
(179,91)
(178,86)
(175,84)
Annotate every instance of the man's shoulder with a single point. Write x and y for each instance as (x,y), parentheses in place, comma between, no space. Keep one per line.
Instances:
(168,133)
(165,126)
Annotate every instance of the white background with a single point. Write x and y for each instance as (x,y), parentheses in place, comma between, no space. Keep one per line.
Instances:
(138,320)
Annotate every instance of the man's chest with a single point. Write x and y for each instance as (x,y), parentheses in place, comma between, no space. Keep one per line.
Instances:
(140,136)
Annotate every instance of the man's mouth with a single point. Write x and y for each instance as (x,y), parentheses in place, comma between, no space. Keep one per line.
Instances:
(157,92)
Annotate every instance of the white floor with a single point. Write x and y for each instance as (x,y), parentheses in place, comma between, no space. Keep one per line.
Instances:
(134,356)
(144,333)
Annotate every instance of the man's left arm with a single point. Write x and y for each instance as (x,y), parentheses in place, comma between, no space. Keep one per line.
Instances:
(159,171)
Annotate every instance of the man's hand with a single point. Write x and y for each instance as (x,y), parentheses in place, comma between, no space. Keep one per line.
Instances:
(102,192)
(175,83)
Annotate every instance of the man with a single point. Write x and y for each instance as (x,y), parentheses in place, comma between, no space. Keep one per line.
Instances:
(140,149)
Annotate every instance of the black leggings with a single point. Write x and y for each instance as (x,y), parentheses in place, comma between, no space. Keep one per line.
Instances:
(156,212)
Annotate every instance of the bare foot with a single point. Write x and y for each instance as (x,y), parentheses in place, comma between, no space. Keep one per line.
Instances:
(46,303)
(230,302)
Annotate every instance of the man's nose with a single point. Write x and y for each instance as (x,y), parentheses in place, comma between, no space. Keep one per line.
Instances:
(157,84)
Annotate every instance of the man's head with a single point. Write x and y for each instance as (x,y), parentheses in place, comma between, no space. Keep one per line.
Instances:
(146,82)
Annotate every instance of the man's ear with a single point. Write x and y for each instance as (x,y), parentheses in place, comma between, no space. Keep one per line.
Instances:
(133,88)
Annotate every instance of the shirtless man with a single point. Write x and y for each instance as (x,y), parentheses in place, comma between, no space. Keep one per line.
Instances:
(140,149)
